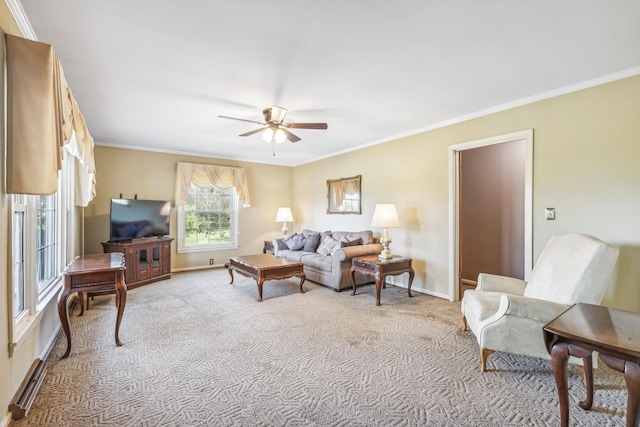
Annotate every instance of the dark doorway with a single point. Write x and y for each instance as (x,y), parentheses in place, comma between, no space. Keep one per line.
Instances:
(492,211)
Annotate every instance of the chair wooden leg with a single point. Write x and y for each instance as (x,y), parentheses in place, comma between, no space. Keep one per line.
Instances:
(464,323)
(484,353)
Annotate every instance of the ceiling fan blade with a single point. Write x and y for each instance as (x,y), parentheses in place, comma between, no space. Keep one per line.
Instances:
(253,132)
(307,125)
(242,120)
(291,137)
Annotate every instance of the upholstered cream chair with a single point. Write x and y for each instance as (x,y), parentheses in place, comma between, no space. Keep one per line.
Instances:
(508,314)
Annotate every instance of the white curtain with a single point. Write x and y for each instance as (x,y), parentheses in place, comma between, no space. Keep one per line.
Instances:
(207,176)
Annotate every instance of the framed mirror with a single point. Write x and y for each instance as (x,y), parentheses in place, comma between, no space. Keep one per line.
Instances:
(343,195)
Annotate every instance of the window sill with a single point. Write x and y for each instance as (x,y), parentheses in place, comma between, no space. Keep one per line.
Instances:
(208,248)
(27,323)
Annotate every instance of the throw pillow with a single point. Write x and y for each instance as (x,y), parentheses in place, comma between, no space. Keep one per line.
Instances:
(295,242)
(327,246)
(355,242)
(312,242)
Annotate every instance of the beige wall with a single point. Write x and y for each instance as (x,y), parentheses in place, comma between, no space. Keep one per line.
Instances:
(586,153)
(151,176)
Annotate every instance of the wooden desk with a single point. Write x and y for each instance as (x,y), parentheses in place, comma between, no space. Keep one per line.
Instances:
(380,269)
(93,273)
(585,328)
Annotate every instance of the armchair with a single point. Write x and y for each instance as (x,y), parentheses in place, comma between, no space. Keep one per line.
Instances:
(507,314)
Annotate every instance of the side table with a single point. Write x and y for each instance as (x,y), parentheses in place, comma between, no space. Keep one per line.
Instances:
(93,273)
(585,328)
(268,246)
(380,269)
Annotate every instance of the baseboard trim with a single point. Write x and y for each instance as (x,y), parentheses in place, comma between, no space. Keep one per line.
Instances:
(26,394)
(7,421)
(202,267)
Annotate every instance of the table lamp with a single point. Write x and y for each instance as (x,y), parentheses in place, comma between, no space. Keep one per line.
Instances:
(385,216)
(284,215)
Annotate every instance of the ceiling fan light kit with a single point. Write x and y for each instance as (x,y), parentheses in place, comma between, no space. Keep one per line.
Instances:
(271,135)
(275,130)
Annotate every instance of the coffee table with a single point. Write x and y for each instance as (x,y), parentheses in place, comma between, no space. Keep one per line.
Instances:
(585,328)
(265,267)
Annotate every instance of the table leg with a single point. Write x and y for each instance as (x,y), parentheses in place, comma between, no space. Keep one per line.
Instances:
(230,270)
(121,302)
(632,378)
(379,280)
(559,357)
(64,319)
(587,361)
(81,298)
(303,277)
(411,274)
(260,281)
(353,280)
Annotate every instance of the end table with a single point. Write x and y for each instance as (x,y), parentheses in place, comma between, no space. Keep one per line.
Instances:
(380,269)
(585,328)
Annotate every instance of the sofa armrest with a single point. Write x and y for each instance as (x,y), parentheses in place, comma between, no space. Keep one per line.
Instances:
(354,251)
(278,245)
(495,283)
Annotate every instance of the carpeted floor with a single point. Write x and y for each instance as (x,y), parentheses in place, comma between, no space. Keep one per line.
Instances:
(199,351)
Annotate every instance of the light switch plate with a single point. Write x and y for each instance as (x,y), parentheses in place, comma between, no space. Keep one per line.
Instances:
(550,213)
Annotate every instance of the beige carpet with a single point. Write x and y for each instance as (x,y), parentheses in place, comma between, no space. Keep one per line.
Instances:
(199,351)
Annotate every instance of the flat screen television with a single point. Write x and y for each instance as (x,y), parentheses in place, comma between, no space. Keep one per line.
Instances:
(136,219)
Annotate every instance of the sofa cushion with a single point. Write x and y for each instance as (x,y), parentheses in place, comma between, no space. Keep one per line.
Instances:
(318,262)
(328,245)
(366,236)
(313,240)
(298,255)
(295,242)
(345,243)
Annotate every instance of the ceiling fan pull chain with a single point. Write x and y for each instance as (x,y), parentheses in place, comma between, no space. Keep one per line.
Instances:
(273,146)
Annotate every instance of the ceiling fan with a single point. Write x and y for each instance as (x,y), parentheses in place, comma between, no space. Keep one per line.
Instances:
(275,130)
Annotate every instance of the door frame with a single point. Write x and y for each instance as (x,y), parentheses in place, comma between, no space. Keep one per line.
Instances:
(454,204)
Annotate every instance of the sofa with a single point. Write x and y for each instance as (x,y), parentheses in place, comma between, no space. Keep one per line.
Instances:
(326,255)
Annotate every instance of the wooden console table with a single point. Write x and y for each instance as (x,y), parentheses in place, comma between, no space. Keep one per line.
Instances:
(585,328)
(380,269)
(91,273)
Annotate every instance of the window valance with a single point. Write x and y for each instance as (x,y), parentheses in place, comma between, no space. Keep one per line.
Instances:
(42,119)
(207,176)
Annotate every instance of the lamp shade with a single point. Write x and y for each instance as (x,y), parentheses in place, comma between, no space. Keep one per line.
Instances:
(385,215)
(284,215)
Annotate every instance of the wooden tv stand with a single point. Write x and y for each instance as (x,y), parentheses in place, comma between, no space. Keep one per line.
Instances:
(147,260)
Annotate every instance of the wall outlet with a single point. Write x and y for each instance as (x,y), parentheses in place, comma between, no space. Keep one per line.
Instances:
(211,261)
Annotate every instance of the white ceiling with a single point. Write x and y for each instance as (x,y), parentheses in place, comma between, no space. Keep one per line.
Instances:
(154,75)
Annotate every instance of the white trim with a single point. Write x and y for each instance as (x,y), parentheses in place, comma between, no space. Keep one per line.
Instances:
(201,267)
(608,78)
(454,214)
(4,422)
(17,11)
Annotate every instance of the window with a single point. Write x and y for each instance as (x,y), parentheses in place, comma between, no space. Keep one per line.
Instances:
(39,251)
(208,221)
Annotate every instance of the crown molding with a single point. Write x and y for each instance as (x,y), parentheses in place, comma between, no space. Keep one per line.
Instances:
(17,11)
